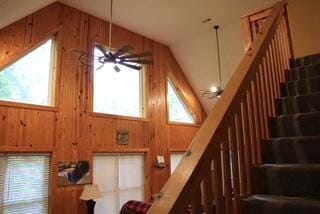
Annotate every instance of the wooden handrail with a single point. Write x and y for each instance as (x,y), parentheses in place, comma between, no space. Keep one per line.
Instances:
(228,143)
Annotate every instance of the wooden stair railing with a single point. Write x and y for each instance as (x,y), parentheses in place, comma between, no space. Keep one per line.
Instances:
(215,172)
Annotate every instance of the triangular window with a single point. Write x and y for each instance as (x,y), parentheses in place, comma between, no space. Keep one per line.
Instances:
(29,79)
(178,112)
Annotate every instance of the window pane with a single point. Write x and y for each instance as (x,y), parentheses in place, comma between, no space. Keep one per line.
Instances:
(178,112)
(120,178)
(175,159)
(29,79)
(117,93)
(25,182)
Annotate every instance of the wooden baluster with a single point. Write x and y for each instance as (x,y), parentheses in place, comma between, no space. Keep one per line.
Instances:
(247,141)
(286,42)
(264,102)
(207,193)
(287,27)
(252,128)
(264,85)
(277,67)
(260,106)
(227,176)
(242,161)
(196,202)
(282,54)
(217,184)
(279,55)
(235,167)
(257,120)
(270,82)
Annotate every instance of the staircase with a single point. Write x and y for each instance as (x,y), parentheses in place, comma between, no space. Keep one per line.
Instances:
(270,99)
(289,181)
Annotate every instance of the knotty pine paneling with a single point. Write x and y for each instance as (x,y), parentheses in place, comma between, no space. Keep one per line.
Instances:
(70,131)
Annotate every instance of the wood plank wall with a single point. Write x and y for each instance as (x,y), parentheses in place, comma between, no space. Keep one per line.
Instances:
(70,131)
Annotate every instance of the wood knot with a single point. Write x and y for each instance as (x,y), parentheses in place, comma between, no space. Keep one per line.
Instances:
(22,123)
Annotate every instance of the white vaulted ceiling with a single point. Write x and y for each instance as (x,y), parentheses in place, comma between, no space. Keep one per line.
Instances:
(176,23)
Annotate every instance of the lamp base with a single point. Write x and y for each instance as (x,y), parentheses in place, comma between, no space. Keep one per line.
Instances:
(90,204)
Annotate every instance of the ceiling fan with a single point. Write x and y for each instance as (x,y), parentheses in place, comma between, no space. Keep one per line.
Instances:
(215,92)
(122,56)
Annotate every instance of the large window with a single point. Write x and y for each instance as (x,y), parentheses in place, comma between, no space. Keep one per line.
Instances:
(118,93)
(24,183)
(120,177)
(30,79)
(178,112)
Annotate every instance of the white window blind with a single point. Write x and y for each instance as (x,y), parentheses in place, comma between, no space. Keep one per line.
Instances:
(175,158)
(120,177)
(24,183)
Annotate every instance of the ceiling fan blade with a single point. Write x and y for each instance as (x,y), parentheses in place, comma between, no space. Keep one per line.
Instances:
(139,61)
(140,55)
(102,64)
(123,50)
(102,50)
(135,67)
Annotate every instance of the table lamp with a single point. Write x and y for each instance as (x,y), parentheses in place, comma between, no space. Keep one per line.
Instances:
(89,193)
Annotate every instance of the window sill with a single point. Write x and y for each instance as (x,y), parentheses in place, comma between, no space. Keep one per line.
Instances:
(112,116)
(28,106)
(184,124)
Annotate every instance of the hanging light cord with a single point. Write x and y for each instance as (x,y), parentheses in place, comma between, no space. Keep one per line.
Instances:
(110,25)
(216,27)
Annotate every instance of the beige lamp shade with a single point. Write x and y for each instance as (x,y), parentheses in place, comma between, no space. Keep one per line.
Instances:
(90,192)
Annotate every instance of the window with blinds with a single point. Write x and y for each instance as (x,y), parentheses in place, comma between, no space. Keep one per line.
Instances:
(175,158)
(24,183)
(120,177)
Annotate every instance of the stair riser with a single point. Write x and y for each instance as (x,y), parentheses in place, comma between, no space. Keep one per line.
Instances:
(308,60)
(300,73)
(300,87)
(296,125)
(292,151)
(299,104)
(256,205)
(299,182)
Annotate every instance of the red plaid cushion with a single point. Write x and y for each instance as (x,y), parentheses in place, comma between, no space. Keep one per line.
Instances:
(138,207)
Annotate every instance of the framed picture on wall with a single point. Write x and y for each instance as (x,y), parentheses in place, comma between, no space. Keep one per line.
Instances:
(73,173)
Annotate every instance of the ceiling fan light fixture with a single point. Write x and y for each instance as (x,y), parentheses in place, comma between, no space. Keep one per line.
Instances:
(214,89)
(122,56)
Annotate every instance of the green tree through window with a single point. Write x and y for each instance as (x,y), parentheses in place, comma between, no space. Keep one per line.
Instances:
(29,80)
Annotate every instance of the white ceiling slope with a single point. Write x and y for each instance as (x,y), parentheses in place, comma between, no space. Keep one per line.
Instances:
(176,23)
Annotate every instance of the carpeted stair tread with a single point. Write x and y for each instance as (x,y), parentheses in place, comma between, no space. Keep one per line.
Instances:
(300,180)
(299,103)
(303,61)
(293,125)
(304,72)
(300,87)
(271,204)
(292,150)
(289,181)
